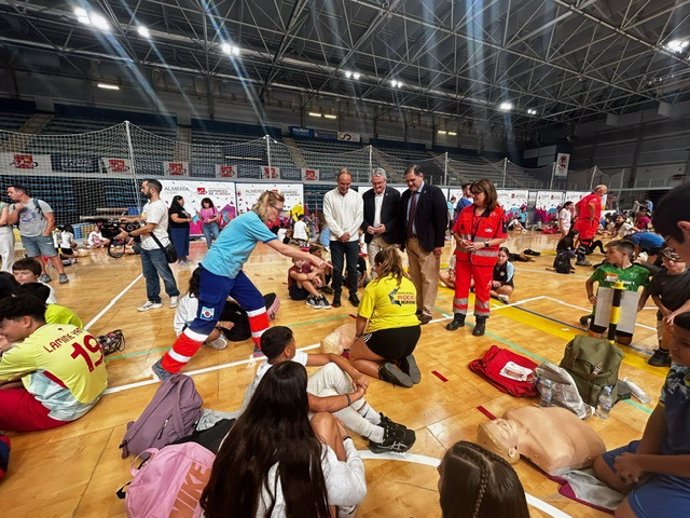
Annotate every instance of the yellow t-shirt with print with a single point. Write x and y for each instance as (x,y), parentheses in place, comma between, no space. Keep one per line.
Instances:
(62,366)
(389,304)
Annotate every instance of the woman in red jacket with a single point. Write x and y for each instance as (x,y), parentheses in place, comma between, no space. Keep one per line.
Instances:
(478,232)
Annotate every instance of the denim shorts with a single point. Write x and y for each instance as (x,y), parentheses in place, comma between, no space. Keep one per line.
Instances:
(656,496)
(39,246)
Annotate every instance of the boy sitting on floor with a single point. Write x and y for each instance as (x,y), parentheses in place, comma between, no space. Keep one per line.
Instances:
(61,369)
(654,472)
(618,267)
(336,387)
(304,283)
(29,270)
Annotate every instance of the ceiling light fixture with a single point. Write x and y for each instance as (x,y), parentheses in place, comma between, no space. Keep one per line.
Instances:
(348,74)
(230,50)
(452,133)
(314,114)
(330,116)
(107,86)
(531,111)
(356,76)
(92,19)
(505,106)
(395,83)
(143,32)
(442,132)
(677,46)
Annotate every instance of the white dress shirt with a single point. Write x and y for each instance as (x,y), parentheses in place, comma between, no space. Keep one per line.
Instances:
(343,213)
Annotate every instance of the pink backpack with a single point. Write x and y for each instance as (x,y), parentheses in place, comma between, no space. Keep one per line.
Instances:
(169,483)
(172,414)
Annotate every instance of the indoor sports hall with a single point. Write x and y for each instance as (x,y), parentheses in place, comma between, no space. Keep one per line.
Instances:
(547,99)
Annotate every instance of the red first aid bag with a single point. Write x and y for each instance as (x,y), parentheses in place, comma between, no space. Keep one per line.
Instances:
(507,371)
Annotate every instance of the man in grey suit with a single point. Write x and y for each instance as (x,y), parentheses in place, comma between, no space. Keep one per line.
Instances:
(381,212)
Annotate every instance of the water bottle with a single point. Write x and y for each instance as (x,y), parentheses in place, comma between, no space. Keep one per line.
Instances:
(605,403)
(546,392)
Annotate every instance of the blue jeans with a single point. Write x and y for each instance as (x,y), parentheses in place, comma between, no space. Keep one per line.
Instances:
(180,238)
(211,231)
(153,264)
(344,253)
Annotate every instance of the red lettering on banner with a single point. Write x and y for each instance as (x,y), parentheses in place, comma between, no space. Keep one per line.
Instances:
(117,165)
(24,161)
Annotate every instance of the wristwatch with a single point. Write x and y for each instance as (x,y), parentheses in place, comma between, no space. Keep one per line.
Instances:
(486,243)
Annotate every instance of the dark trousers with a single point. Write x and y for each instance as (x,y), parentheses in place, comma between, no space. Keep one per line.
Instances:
(341,252)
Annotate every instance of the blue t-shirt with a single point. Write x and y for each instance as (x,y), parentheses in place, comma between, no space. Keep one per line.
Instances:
(675,396)
(462,203)
(647,241)
(235,244)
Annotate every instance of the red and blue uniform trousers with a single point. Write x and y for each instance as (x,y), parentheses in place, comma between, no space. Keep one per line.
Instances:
(213,292)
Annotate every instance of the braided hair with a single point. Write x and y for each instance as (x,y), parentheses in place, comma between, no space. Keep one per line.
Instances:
(476,483)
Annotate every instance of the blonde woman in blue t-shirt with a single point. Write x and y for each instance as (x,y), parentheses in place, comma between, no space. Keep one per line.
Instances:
(387,326)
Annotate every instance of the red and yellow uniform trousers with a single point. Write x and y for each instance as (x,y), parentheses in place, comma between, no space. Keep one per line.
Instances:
(213,292)
(477,265)
(587,226)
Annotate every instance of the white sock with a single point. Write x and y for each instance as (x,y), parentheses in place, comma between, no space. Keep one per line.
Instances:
(369,413)
(376,434)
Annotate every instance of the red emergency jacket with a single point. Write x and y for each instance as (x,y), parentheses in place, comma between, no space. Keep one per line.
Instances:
(584,224)
(486,227)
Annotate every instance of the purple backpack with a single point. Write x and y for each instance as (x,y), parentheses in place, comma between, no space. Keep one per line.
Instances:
(169,483)
(171,415)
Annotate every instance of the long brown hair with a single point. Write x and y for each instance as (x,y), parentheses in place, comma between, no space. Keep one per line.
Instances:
(267,199)
(488,188)
(273,430)
(476,483)
(391,263)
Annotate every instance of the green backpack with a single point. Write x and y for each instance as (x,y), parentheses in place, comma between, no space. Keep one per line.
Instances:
(593,363)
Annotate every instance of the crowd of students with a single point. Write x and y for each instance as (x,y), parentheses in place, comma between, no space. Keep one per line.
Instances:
(289,453)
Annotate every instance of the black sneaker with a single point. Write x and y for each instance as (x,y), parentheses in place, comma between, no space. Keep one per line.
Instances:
(354,300)
(387,423)
(392,374)
(660,358)
(584,321)
(409,366)
(395,441)
(336,302)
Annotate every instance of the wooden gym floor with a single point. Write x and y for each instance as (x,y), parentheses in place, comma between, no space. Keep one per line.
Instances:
(76,469)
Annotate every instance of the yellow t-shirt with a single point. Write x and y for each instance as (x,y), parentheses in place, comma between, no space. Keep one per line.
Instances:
(57,314)
(389,305)
(64,353)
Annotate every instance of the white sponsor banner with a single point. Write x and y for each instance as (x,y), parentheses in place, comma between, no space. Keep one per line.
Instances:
(512,200)
(247,194)
(455,192)
(222,194)
(270,173)
(226,171)
(19,163)
(561,165)
(575,196)
(349,137)
(310,175)
(549,200)
(117,165)
(176,168)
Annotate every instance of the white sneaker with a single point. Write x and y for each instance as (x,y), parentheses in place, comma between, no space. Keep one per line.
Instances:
(173,302)
(149,305)
(219,343)
(503,298)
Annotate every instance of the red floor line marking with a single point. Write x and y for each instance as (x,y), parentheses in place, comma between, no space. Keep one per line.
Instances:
(486,412)
(439,376)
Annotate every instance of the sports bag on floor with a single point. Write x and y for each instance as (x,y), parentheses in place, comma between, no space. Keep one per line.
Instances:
(507,371)
(169,483)
(171,415)
(593,363)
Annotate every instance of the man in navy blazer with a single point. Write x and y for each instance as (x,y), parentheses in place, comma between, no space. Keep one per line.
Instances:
(424,218)
(381,213)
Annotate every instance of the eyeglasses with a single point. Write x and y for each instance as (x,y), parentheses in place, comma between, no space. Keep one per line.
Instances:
(474,193)
(279,209)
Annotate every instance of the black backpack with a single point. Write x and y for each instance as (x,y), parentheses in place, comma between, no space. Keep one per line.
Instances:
(561,262)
